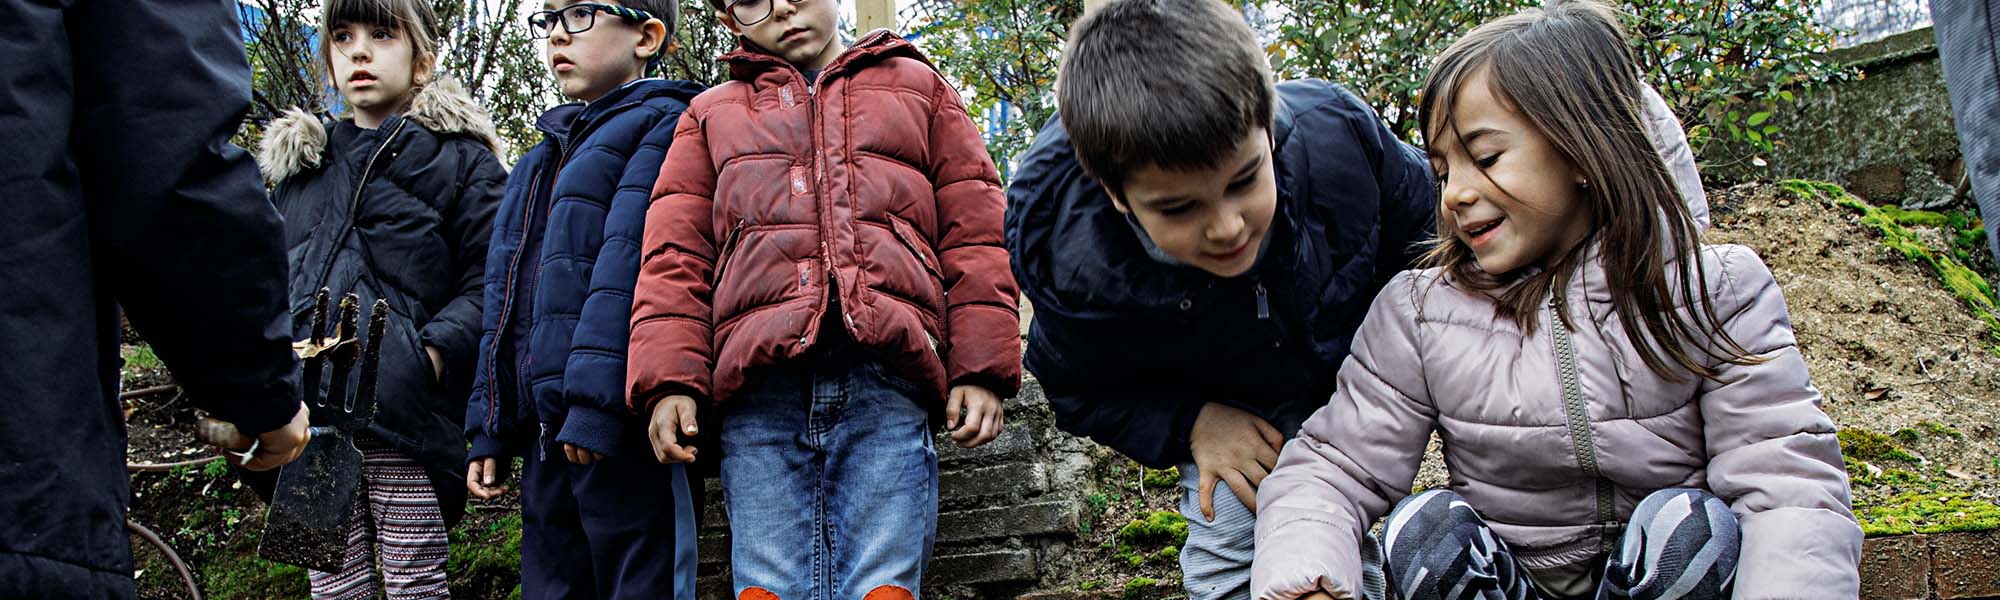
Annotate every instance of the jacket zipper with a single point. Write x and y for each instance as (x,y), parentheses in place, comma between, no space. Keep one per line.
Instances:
(354,206)
(1577,415)
(514,267)
(723,252)
(820,204)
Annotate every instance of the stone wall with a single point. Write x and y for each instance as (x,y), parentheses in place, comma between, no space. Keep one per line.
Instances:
(1947,566)
(1885,134)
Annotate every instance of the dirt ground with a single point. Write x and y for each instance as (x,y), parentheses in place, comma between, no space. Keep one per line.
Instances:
(1887,345)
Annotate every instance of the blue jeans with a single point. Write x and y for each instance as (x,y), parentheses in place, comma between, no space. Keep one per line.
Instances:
(831,483)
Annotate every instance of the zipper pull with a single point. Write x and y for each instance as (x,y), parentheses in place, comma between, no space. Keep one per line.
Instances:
(1263,303)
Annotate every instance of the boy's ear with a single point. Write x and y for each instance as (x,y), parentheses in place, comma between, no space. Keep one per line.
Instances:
(1117,202)
(729,22)
(652,40)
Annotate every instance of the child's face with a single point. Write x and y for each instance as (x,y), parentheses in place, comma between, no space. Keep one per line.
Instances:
(799,31)
(1214,219)
(371,65)
(591,63)
(1509,195)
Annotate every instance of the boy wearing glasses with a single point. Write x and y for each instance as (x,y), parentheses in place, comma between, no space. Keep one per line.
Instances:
(823,268)
(600,517)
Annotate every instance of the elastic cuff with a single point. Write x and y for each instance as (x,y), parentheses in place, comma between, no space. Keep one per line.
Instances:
(592,429)
(259,411)
(485,446)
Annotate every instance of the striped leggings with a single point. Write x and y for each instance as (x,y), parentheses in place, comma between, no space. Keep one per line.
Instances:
(1681,544)
(399,529)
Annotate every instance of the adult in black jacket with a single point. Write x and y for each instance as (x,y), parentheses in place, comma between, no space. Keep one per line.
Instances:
(122,189)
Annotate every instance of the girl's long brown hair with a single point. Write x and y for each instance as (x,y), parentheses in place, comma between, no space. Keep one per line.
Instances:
(1566,68)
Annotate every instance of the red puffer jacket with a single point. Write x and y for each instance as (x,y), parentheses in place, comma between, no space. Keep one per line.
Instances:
(873,182)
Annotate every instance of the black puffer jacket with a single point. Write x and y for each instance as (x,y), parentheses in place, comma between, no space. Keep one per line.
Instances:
(401,212)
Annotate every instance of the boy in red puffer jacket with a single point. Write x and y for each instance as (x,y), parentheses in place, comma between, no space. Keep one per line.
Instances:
(823,263)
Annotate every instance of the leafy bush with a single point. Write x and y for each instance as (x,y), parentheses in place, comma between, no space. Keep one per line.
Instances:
(1722,64)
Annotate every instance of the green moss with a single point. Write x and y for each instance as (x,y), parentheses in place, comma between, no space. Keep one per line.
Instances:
(1926,512)
(140,358)
(234,575)
(1155,537)
(1155,528)
(1862,444)
(1959,279)
(1940,429)
(1090,585)
(1139,585)
(1168,477)
(1909,435)
(485,557)
(1917,218)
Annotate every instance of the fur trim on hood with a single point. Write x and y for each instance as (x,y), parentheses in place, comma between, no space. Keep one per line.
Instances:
(295,140)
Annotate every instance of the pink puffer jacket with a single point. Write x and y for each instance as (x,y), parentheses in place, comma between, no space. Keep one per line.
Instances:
(1519,430)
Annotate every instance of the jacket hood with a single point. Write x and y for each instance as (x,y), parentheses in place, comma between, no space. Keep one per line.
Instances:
(295,141)
(748,60)
(559,120)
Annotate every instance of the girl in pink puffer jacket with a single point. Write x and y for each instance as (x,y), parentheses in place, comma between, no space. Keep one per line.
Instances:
(1625,413)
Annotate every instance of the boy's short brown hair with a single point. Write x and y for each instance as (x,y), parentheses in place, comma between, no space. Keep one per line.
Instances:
(667,11)
(1172,84)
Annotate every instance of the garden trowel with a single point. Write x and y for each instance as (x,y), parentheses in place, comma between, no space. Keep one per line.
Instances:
(314,502)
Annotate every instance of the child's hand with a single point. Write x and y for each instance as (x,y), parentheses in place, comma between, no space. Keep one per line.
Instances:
(580,455)
(486,478)
(672,418)
(1320,595)
(983,416)
(1233,447)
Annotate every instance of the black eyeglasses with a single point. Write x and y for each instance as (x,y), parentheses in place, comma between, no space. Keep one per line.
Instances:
(752,12)
(578,18)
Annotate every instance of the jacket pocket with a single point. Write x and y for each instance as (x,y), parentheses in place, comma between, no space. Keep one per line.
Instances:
(935,322)
(908,236)
(727,249)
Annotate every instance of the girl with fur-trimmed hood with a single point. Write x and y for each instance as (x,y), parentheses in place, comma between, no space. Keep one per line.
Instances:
(394,202)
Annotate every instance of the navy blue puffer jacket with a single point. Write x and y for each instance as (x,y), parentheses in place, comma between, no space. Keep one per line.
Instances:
(565,255)
(1128,348)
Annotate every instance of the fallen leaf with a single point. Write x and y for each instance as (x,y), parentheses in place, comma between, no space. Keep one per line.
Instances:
(307,349)
(1875,393)
(1959,474)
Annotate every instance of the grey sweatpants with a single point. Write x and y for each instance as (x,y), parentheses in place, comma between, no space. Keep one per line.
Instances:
(1968,33)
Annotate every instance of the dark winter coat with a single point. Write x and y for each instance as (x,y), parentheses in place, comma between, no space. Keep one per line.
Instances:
(1129,348)
(582,195)
(402,213)
(871,182)
(121,189)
